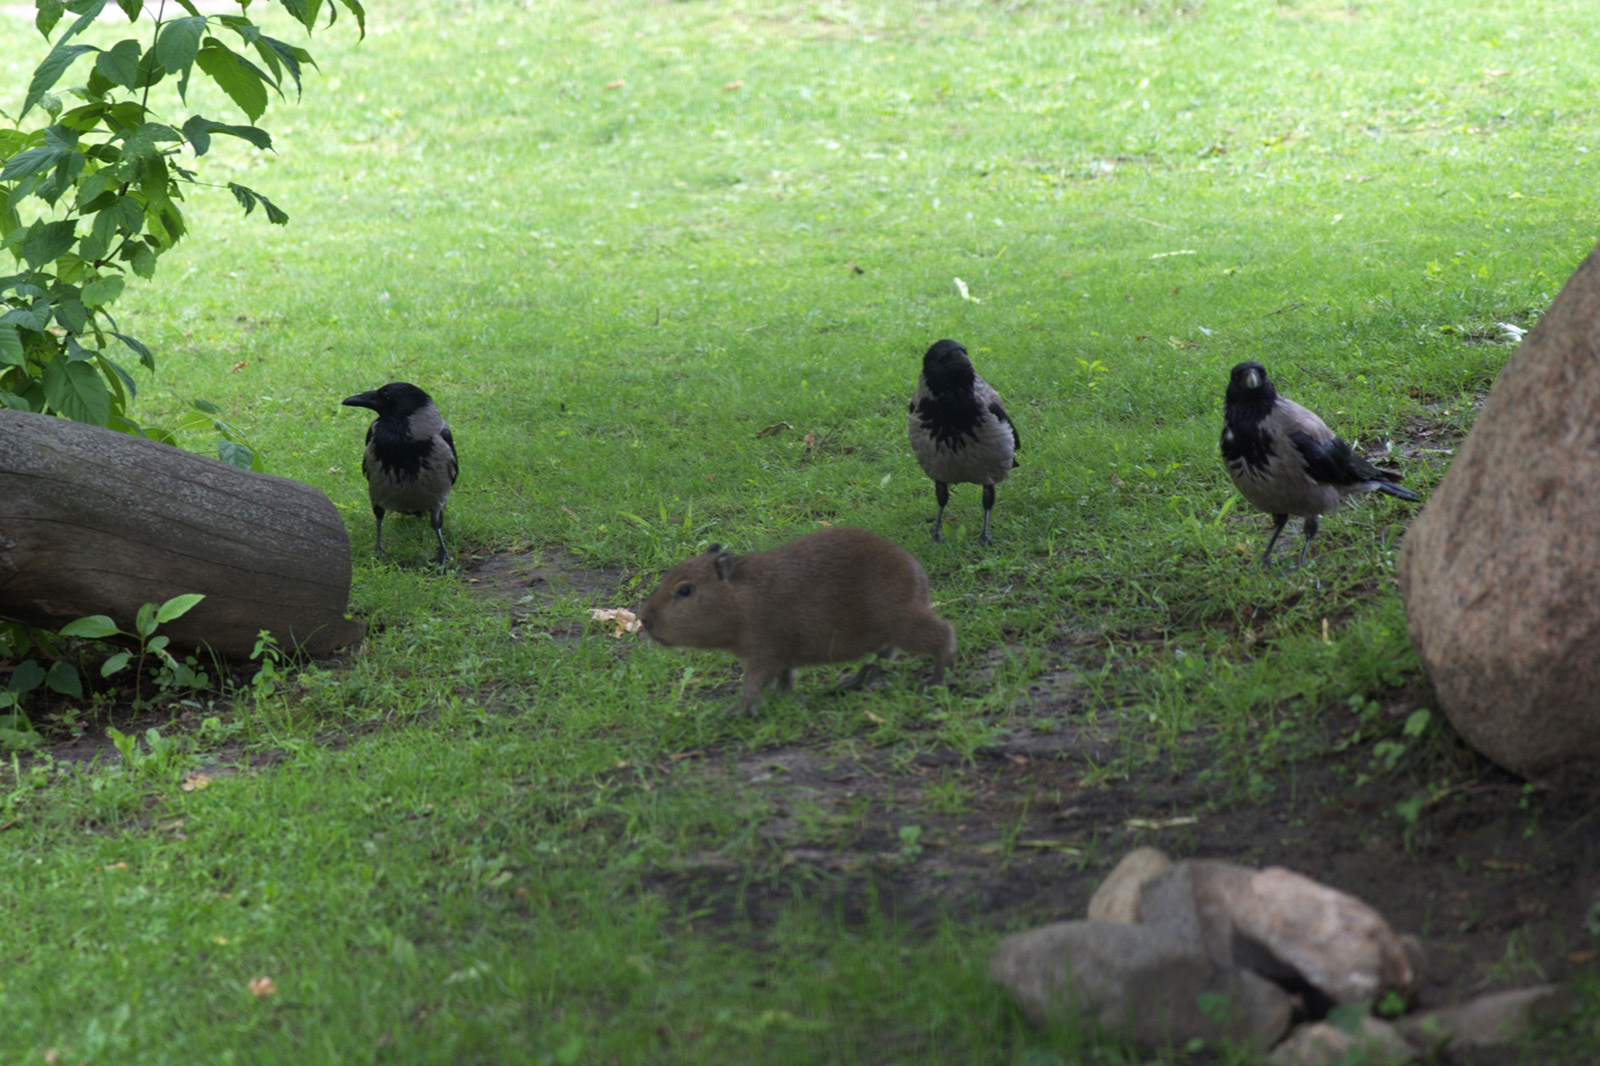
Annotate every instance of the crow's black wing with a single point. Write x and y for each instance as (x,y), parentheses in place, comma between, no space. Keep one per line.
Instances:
(1333,462)
(450,442)
(1000,412)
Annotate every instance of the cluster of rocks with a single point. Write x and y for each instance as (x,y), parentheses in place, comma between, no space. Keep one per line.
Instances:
(1226,954)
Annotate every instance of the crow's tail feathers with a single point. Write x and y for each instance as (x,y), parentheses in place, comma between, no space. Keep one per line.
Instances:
(1399,492)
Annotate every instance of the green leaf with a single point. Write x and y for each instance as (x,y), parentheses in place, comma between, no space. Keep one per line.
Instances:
(144,621)
(177,607)
(76,390)
(248,198)
(71,316)
(119,64)
(146,356)
(11,345)
(207,406)
(94,187)
(178,46)
(16,733)
(111,666)
(143,258)
(102,291)
(117,374)
(63,678)
(49,72)
(34,318)
(32,161)
(142,142)
(26,676)
(198,131)
(235,454)
(48,14)
(242,80)
(359,12)
(270,49)
(47,241)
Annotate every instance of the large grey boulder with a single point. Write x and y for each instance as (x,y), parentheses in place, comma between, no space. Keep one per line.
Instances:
(1501,571)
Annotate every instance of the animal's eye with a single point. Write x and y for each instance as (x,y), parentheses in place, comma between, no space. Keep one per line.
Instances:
(685,590)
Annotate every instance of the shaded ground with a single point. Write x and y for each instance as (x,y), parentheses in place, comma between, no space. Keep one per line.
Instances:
(1498,878)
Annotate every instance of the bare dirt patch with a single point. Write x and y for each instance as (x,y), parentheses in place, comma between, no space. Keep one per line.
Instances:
(531,581)
(1497,878)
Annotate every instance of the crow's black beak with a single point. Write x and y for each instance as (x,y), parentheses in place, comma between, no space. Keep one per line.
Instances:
(361,399)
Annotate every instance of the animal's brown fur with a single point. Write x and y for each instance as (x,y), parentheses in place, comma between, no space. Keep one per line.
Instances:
(830,596)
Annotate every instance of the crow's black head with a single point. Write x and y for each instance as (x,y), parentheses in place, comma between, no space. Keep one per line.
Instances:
(398,399)
(947,369)
(1250,385)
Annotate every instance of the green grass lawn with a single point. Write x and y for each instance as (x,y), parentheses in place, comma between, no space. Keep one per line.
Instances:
(616,241)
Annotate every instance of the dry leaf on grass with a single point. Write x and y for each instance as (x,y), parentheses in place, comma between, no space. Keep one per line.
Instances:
(774,429)
(262,987)
(733,85)
(623,619)
(961,287)
(619,83)
(195,782)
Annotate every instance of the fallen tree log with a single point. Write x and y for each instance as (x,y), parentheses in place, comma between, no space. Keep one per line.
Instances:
(98,522)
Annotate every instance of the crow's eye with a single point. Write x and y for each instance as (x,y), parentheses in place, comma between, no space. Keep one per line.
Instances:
(685,590)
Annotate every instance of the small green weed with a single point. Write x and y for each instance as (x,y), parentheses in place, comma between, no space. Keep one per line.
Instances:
(167,672)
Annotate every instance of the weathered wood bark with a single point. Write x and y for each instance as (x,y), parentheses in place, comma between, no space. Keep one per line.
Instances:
(97,522)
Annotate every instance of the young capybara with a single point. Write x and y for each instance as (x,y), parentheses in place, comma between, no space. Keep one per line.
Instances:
(831,596)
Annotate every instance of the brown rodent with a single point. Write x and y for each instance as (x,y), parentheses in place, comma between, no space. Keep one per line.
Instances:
(830,596)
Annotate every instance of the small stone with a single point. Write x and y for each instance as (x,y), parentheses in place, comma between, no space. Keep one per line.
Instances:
(1492,1019)
(1117,898)
(1138,982)
(1372,1043)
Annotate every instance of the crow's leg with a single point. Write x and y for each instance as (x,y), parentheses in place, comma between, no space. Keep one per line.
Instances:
(438,531)
(1310,531)
(1278,522)
(941,492)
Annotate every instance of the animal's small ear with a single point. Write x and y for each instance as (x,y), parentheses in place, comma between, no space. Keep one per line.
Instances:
(714,549)
(723,565)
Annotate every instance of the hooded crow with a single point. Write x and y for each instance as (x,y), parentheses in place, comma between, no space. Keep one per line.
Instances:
(1285,460)
(410,461)
(959,430)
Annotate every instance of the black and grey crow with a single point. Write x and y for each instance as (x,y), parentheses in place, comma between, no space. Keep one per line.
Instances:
(1286,461)
(959,430)
(410,461)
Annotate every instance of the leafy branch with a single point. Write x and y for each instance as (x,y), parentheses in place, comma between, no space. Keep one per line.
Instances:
(105,178)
